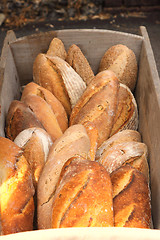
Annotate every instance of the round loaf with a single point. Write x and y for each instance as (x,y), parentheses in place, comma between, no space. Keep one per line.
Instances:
(83,197)
(122,61)
(16,189)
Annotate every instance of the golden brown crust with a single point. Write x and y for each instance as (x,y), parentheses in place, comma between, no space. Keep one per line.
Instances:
(80,64)
(74,141)
(56,106)
(83,197)
(127,113)
(16,200)
(124,148)
(47,75)
(44,114)
(122,61)
(131,198)
(35,143)
(20,117)
(98,104)
(56,48)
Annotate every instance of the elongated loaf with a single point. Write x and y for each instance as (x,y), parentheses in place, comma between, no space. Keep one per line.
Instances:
(74,141)
(35,143)
(107,103)
(83,197)
(123,148)
(16,189)
(131,198)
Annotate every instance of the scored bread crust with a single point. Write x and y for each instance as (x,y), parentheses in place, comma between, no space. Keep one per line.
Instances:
(35,143)
(80,64)
(74,141)
(16,189)
(47,75)
(57,108)
(19,117)
(83,197)
(131,198)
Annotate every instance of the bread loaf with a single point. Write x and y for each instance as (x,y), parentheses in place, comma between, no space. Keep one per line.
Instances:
(56,75)
(79,63)
(16,189)
(83,197)
(35,143)
(122,61)
(53,103)
(37,108)
(74,141)
(19,117)
(124,148)
(108,104)
(131,198)
(57,48)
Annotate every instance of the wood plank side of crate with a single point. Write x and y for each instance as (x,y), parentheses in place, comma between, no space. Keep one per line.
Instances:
(148,99)
(9,80)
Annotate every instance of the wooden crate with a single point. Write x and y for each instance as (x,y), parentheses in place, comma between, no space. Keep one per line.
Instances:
(16,70)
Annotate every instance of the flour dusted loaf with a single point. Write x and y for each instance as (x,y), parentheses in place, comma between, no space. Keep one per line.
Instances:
(122,61)
(123,148)
(35,143)
(16,189)
(107,103)
(83,197)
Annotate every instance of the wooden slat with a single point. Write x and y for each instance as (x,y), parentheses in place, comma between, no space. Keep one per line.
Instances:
(9,80)
(148,99)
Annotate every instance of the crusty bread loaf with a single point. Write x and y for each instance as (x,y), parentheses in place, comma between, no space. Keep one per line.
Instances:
(79,62)
(74,141)
(108,104)
(36,108)
(19,117)
(57,48)
(83,197)
(35,143)
(120,150)
(131,198)
(122,61)
(56,75)
(47,75)
(16,189)
(57,108)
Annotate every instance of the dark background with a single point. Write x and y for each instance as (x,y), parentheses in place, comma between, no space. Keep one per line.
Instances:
(29,17)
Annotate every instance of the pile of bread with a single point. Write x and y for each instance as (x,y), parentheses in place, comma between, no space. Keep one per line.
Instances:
(72,155)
